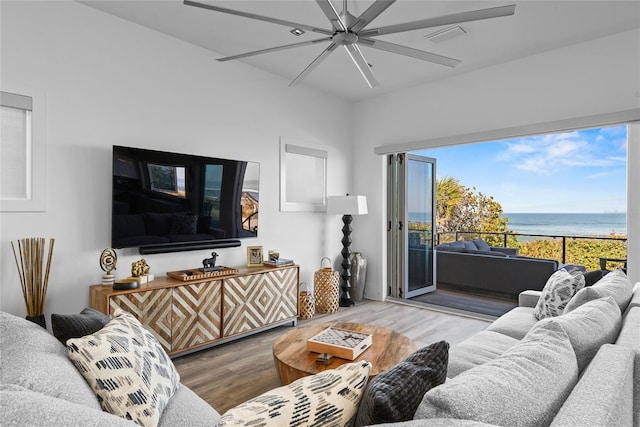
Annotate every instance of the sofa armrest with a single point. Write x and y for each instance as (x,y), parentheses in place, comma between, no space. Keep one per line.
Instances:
(529,298)
(506,251)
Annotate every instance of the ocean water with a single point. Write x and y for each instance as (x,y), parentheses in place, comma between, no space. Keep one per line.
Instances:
(568,224)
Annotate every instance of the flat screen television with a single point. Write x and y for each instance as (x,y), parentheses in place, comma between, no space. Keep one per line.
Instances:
(167,202)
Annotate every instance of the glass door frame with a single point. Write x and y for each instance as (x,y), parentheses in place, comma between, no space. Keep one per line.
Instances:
(398,230)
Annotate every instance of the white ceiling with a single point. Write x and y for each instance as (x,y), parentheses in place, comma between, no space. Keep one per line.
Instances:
(537,26)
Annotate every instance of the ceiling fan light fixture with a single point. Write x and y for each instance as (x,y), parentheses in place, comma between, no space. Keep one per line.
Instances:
(297,31)
(446,34)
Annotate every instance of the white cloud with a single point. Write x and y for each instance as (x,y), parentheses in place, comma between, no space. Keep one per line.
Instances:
(548,154)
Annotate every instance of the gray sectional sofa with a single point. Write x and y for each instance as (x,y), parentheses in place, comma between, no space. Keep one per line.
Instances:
(476,266)
(579,368)
(40,386)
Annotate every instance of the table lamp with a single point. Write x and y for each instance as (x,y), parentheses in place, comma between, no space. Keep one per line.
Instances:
(346,206)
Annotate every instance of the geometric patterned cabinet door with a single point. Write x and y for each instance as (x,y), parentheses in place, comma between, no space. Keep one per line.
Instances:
(256,300)
(196,314)
(151,308)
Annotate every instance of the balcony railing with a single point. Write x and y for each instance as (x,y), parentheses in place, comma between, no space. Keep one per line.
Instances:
(593,252)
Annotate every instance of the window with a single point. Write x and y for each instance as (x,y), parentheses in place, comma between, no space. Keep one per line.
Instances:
(21,155)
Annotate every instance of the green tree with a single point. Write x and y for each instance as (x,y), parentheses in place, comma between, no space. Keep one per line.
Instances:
(460,208)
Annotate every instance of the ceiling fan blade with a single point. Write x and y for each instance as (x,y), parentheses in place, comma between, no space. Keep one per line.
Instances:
(409,51)
(370,14)
(455,18)
(314,64)
(362,64)
(274,49)
(332,14)
(289,24)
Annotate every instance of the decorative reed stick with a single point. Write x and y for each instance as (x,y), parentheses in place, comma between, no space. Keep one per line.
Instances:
(30,270)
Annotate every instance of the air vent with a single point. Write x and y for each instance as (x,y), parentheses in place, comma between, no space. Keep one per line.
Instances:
(446,34)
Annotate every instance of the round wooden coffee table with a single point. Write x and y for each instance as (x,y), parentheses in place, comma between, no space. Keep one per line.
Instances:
(293,360)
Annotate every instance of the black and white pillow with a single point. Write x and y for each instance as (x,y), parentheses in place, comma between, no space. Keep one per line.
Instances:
(394,395)
(557,292)
(329,398)
(127,369)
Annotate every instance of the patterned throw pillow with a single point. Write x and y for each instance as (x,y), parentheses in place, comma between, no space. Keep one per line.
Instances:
(65,326)
(557,292)
(127,368)
(329,398)
(394,395)
(183,224)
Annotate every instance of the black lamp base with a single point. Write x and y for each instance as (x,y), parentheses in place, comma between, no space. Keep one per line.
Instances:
(345,283)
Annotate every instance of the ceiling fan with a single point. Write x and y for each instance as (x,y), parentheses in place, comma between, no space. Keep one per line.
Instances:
(350,31)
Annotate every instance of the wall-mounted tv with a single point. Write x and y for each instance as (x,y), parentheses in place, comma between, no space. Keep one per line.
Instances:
(167,202)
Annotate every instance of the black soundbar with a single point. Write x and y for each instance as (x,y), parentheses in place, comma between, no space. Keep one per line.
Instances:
(188,246)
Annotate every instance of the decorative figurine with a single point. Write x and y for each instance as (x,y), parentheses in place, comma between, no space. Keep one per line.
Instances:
(139,268)
(108,260)
(209,264)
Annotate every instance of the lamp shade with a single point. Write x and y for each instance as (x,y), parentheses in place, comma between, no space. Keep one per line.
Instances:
(347,205)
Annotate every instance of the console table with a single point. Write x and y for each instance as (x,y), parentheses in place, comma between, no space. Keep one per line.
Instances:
(190,315)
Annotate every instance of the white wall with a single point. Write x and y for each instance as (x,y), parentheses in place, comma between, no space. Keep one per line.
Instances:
(106,82)
(597,77)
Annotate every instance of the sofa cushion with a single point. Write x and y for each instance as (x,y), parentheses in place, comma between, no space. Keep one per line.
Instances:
(589,327)
(127,369)
(35,360)
(481,245)
(515,323)
(615,284)
(446,248)
(524,387)
(477,350)
(22,407)
(557,292)
(394,395)
(157,224)
(127,226)
(604,394)
(328,398)
(185,408)
(65,326)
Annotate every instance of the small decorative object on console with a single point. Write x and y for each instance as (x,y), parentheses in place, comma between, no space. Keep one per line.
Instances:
(341,343)
(197,273)
(279,263)
(108,261)
(255,258)
(141,272)
(209,264)
(125,284)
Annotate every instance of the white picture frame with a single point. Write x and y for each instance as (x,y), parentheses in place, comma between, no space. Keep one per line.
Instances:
(303,177)
(28,169)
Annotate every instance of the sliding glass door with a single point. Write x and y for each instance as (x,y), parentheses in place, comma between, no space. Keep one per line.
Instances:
(411,223)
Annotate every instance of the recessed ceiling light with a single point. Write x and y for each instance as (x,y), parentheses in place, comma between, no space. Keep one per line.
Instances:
(297,32)
(446,34)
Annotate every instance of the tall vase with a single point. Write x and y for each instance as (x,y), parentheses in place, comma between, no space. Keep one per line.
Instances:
(358,275)
(38,320)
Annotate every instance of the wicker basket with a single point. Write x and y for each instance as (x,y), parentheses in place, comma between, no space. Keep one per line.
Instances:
(307,305)
(325,284)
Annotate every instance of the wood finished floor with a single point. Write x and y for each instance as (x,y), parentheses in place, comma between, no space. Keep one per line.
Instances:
(229,374)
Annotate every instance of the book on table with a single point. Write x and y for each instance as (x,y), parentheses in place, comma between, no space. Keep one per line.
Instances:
(340,343)
(279,263)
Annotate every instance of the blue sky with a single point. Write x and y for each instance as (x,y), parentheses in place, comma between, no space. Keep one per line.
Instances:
(570,172)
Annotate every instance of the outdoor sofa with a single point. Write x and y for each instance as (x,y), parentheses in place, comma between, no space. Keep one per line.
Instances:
(581,367)
(475,266)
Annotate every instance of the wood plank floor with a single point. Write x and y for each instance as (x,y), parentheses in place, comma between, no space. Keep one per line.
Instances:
(229,374)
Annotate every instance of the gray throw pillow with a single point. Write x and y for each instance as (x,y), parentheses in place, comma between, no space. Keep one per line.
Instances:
(589,327)
(524,387)
(615,284)
(65,326)
(482,245)
(395,394)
